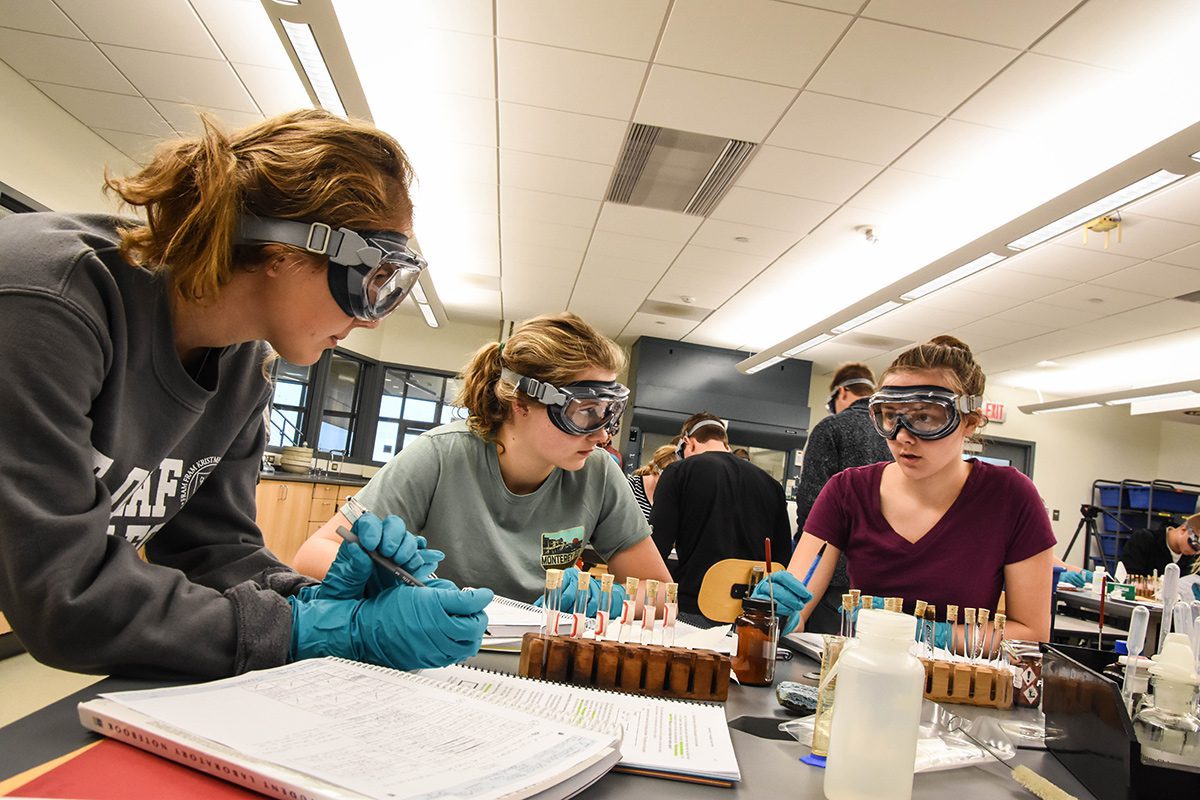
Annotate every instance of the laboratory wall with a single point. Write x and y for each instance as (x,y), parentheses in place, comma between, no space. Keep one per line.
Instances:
(48,155)
(1179,452)
(404,338)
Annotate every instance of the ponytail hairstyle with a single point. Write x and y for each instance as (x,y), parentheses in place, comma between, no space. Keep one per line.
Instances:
(850,371)
(553,348)
(952,357)
(306,165)
(663,457)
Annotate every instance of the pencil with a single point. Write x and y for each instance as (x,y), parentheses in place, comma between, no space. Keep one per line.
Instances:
(390,566)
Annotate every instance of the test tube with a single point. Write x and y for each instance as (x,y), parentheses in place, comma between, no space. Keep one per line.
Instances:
(952,618)
(919,613)
(604,611)
(969,633)
(998,624)
(670,613)
(868,601)
(983,641)
(579,617)
(930,628)
(848,616)
(552,600)
(628,609)
(649,611)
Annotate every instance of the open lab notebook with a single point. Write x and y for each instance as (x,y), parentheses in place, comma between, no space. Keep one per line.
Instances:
(328,728)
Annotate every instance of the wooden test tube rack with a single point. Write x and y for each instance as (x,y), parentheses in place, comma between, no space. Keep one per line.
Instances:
(652,670)
(969,684)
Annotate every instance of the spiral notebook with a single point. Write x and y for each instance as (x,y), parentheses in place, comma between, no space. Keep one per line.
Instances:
(328,728)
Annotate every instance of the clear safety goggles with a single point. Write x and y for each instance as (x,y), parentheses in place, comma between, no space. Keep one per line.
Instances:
(370,272)
(927,412)
(829,404)
(578,408)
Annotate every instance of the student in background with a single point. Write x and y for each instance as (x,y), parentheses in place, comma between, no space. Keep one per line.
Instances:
(133,411)
(845,438)
(714,505)
(520,485)
(645,478)
(930,526)
(1150,549)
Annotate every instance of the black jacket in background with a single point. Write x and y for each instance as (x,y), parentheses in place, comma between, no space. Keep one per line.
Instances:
(1146,550)
(713,506)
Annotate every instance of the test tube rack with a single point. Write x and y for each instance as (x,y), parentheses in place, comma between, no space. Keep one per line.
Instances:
(968,684)
(652,670)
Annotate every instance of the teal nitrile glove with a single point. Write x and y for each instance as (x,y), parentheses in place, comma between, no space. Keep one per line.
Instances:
(1077,579)
(1196,590)
(403,627)
(942,635)
(791,596)
(390,538)
(570,587)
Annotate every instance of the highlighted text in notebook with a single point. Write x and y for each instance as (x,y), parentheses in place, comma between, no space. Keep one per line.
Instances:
(352,510)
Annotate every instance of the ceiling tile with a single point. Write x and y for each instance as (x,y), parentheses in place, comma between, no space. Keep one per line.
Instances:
(621,269)
(116,112)
(1111,33)
(1069,263)
(1018,285)
(1141,237)
(457,118)
(722,235)
(1047,316)
(1151,277)
(72,62)
(554,175)
(165,76)
(138,146)
(999,331)
(779,211)
(1089,297)
(898,192)
(536,253)
(465,16)
(186,118)
(243,31)
(536,232)
(569,80)
(1180,202)
(686,100)
(1185,257)
(626,28)
(708,290)
(545,207)
(562,134)
(771,42)
(944,319)
(635,248)
(521,273)
(463,63)
(1033,86)
(976,303)
(845,6)
(273,90)
(652,223)
(835,126)
(642,324)
(39,16)
(696,259)
(168,26)
(1012,23)
(791,172)
(956,149)
(908,68)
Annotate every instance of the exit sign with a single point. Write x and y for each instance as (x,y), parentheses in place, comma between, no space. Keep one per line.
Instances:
(993,412)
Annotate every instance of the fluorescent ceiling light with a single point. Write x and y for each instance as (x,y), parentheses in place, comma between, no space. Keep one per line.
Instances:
(309,53)
(419,294)
(811,343)
(867,316)
(1075,407)
(1089,212)
(1121,401)
(770,362)
(983,262)
(427,313)
(1196,156)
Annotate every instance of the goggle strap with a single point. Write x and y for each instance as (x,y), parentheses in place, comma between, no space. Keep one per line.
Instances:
(341,246)
(544,393)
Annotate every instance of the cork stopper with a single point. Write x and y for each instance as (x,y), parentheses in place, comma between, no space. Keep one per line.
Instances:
(856,594)
(868,601)
(931,613)
(606,582)
(553,578)
(585,581)
(897,604)
(919,610)
(651,591)
(952,613)
(672,592)
(631,586)
(969,616)
(847,602)
(999,623)
(983,616)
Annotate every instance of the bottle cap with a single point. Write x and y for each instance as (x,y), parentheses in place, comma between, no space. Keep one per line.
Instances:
(888,625)
(763,606)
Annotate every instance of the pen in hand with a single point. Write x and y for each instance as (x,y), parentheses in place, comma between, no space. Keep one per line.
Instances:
(382,561)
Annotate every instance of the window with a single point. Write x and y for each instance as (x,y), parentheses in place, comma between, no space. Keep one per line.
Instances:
(339,405)
(289,405)
(413,402)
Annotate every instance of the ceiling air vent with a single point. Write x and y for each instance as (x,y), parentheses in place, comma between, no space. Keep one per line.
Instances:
(677,170)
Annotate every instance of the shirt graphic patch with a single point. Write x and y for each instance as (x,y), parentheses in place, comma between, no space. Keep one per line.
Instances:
(148,498)
(561,549)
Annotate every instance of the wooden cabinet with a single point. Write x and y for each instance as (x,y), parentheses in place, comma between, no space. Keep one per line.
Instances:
(290,511)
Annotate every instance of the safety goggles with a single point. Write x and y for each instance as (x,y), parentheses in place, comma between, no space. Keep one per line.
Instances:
(829,404)
(578,408)
(370,272)
(927,412)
